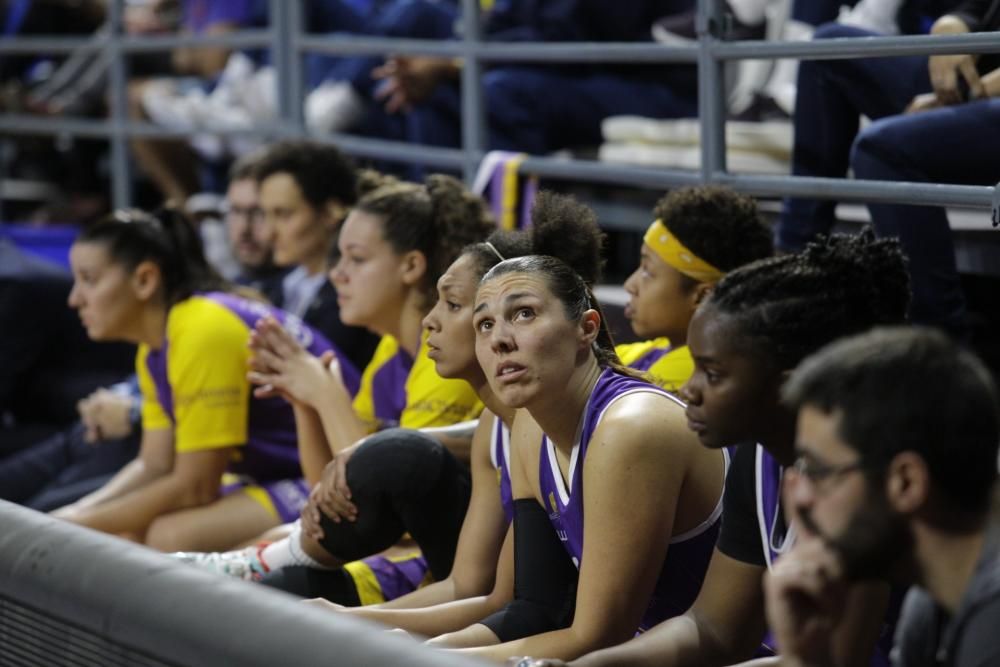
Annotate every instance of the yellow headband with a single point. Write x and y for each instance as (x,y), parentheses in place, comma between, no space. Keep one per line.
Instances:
(670,250)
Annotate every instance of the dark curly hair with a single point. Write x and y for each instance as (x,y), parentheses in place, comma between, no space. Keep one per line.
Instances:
(788,307)
(721,226)
(564,244)
(321,171)
(438,218)
(561,227)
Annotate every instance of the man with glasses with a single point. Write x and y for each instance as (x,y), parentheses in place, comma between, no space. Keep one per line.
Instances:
(251,239)
(897,444)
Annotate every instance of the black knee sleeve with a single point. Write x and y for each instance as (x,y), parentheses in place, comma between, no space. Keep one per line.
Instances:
(545,579)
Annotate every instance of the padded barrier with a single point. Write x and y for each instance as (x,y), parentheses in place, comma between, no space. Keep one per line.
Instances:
(72,596)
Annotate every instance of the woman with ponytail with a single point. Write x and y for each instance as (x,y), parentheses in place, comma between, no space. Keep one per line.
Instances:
(394,246)
(143,278)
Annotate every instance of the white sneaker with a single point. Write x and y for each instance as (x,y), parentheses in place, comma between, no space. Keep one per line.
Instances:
(244,564)
(334,106)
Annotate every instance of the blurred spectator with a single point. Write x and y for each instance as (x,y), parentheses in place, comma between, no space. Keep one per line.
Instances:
(956,142)
(170,164)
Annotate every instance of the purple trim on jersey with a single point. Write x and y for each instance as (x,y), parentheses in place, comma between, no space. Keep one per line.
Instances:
(389,388)
(288,496)
(767,479)
(646,361)
(271,451)
(684,567)
(397,577)
(501,435)
(156,364)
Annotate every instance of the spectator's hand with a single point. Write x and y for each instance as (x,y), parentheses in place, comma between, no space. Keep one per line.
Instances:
(950,74)
(924,102)
(409,80)
(281,366)
(105,416)
(335,496)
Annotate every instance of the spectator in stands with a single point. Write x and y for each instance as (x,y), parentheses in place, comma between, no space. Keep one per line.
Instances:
(169,163)
(143,278)
(420,94)
(60,470)
(757,325)
(894,477)
(306,190)
(835,93)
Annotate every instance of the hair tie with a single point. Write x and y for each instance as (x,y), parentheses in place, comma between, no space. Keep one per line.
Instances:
(494,250)
(669,248)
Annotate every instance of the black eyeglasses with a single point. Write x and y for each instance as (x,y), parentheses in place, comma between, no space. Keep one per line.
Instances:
(253,214)
(817,472)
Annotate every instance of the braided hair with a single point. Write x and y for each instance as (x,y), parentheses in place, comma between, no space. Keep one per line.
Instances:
(792,305)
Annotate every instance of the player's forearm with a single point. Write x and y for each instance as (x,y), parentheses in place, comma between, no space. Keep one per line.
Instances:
(134,511)
(440,592)
(437,620)
(341,425)
(136,474)
(678,642)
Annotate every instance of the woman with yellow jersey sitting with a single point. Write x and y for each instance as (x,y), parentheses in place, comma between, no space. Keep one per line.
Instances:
(143,278)
(394,246)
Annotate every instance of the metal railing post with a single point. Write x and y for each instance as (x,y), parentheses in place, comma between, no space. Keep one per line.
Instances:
(286,28)
(121,177)
(711,90)
(473,118)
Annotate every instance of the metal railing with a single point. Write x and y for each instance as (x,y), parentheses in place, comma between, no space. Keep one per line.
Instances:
(288,43)
(75,597)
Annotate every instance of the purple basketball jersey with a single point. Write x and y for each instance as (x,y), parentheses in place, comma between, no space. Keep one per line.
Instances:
(687,558)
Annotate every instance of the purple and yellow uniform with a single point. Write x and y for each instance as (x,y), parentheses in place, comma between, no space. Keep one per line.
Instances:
(398,390)
(687,558)
(196,385)
(663,364)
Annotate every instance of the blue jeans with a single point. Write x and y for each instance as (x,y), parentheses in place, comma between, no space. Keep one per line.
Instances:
(538,110)
(958,144)
(832,96)
(933,146)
